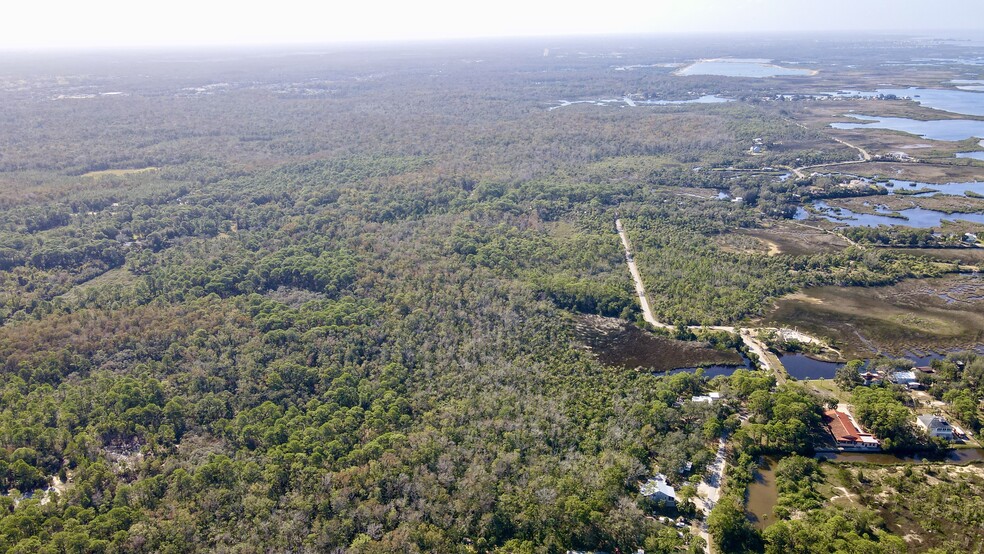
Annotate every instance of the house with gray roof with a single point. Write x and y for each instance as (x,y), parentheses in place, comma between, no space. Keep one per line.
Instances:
(659,490)
(935,426)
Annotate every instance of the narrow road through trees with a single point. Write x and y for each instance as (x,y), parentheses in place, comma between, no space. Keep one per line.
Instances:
(767,360)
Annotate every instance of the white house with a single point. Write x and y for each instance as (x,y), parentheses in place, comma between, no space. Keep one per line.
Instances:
(709,398)
(936,426)
(906,379)
(659,490)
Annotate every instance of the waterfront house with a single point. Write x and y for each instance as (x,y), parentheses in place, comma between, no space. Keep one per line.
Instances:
(871,378)
(935,426)
(709,398)
(846,434)
(906,379)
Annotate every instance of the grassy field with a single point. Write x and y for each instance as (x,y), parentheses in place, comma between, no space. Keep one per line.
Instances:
(793,239)
(616,343)
(828,388)
(119,276)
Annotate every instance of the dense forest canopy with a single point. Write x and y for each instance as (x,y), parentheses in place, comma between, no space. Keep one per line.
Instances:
(326,300)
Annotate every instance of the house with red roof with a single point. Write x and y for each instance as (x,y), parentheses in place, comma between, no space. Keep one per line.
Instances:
(847,434)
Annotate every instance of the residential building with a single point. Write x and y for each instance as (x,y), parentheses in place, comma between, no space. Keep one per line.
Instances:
(906,379)
(709,398)
(935,426)
(847,435)
(659,490)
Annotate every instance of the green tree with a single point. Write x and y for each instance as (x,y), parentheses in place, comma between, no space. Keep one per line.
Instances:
(730,529)
(848,376)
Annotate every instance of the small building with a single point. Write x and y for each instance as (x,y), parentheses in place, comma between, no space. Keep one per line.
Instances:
(659,490)
(871,378)
(709,398)
(906,379)
(924,369)
(935,426)
(846,434)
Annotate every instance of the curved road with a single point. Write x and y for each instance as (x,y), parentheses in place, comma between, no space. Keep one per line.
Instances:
(768,360)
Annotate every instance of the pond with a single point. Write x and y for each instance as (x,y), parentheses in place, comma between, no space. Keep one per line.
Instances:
(762,494)
(971,155)
(633,102)
(919,218)
(940,129)
(706,99)
(803,367)
(738,67)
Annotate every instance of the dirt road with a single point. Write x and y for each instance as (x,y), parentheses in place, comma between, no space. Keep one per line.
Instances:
(647,312)
(709,490)
(768,360)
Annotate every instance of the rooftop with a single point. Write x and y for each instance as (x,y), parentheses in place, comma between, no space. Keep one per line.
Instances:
(904,376)
(658,485)
(932,421)
(843,429)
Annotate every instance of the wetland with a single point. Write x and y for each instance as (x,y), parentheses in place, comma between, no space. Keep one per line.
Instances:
(618,343)
(925,314)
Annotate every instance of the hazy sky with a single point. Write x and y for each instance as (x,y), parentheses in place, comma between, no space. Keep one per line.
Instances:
(113,23)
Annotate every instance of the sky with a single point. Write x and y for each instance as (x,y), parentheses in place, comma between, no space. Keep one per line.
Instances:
(76,24)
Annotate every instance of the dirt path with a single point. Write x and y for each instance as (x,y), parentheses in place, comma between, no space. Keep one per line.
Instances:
(850,496)
(864,153)
(768,360)
(647,312)
(836,234)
